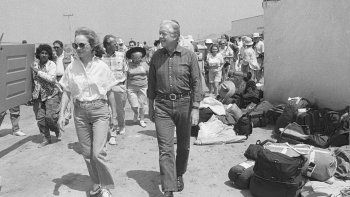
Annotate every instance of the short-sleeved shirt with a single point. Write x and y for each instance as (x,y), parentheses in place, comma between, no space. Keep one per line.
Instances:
(214,61)
(137,74)
(88,83)
(249,58)
(117,64)
(175,73)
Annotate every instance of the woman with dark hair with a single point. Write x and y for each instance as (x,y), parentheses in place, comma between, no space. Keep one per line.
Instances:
(132,44)
(215,61)
(46,101)
(88,80)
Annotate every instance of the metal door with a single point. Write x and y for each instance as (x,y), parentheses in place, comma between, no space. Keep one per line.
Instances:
(15,75)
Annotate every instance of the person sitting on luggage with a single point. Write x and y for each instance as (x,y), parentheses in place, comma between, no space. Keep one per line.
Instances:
(251,93)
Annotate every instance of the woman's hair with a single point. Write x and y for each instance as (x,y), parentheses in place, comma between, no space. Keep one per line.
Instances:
(93,40)
(44,47)
(212,46)
(132,41)
(226,37)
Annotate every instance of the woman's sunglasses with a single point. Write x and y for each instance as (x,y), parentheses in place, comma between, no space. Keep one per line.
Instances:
(80,45)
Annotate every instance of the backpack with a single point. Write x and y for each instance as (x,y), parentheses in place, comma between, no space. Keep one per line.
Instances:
(274,113)
(340,138)
(294,134)
(244,125)
(343,159)
(276,175)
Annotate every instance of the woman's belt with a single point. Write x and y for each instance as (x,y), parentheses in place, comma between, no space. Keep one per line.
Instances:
(173,97)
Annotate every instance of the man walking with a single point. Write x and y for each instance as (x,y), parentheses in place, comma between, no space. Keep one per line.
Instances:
(116,61)
(174,92)
(259,50)
(14,116)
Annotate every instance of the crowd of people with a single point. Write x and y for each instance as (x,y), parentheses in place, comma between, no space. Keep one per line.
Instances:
(94,84)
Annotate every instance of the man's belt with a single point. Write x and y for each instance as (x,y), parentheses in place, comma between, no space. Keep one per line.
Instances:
(89,104)
(173,97)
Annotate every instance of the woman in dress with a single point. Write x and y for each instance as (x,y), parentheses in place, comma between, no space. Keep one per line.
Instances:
(215,62)
(88,80)
(46,100)
(227,54)
(137,83)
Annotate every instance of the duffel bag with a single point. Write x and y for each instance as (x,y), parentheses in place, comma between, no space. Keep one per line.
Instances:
(274,113)
(332,120)
(258,119)
(321,163)
(321,189)
(240,174)
(293,134)
(277,175)
(343,160)
(317,140)
(340,138)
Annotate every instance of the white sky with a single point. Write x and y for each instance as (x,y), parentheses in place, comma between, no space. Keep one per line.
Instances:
(43,21)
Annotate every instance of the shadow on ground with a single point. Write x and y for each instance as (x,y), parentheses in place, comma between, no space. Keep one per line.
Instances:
(74,181)
(147,180)
(151,133)
(4,132)
(37,139)
(245,193)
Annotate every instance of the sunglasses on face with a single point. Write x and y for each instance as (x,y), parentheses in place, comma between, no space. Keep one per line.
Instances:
(80,45)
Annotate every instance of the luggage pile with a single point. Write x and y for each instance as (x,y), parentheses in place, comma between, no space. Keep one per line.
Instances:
(311,156)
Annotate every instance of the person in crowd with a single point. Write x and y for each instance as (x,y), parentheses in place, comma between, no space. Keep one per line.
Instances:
(62,60)
(14,116)
(137,83)
(145,46)
(184,42)
(215,62)
(174,92)
(156,46)
(227,54)
(207,43)
(251,93)
(132,44)
(239,42)
(89,81)
(249,61)
(116,62)
(121,47)
(46,98)
(259,50)
(195,46)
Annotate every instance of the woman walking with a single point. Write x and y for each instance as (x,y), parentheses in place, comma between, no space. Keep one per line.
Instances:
(88,80)
(46,101)
(216,62)
(137,83)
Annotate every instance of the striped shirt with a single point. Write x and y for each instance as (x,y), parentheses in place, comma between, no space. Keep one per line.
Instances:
(175,73)
(117,64)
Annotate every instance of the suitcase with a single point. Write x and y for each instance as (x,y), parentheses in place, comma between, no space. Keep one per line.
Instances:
(313,118)
(258,119)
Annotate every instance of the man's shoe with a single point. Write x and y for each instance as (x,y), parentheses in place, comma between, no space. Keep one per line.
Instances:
(105,193)
(121,130)
(180,183)
(19,133)
(168,194)
(44,143)
(59,136)
(112,141)
(95,191)
(142,123)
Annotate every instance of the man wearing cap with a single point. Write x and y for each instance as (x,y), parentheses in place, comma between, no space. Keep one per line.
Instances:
(259,50)
(174,93)
(121,47)
(116,61)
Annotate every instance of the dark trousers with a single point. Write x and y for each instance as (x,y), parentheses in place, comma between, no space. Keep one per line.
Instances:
(46,113)
(169,114)
(14,116)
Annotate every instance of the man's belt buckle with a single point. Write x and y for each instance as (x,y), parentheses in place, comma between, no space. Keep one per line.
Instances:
(172,97)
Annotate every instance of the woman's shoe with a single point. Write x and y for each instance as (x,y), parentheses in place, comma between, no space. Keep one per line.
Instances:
(95,191)
(142,123)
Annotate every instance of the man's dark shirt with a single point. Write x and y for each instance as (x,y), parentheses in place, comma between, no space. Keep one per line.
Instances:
(175,73)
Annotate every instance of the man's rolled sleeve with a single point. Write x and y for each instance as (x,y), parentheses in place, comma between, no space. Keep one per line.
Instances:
(196,84)
(151,91)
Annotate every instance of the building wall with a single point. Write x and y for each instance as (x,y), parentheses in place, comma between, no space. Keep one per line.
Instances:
(248,26)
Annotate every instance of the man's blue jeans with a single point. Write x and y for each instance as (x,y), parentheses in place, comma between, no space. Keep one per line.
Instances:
(92,125)
(14,116)
(169,114)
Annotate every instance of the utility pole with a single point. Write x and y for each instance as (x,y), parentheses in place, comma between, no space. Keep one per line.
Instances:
(69,15)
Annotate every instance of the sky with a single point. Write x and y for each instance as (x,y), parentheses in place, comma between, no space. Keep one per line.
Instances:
(43,21)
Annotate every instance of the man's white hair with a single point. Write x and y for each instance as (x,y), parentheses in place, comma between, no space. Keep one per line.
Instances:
(174,24)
